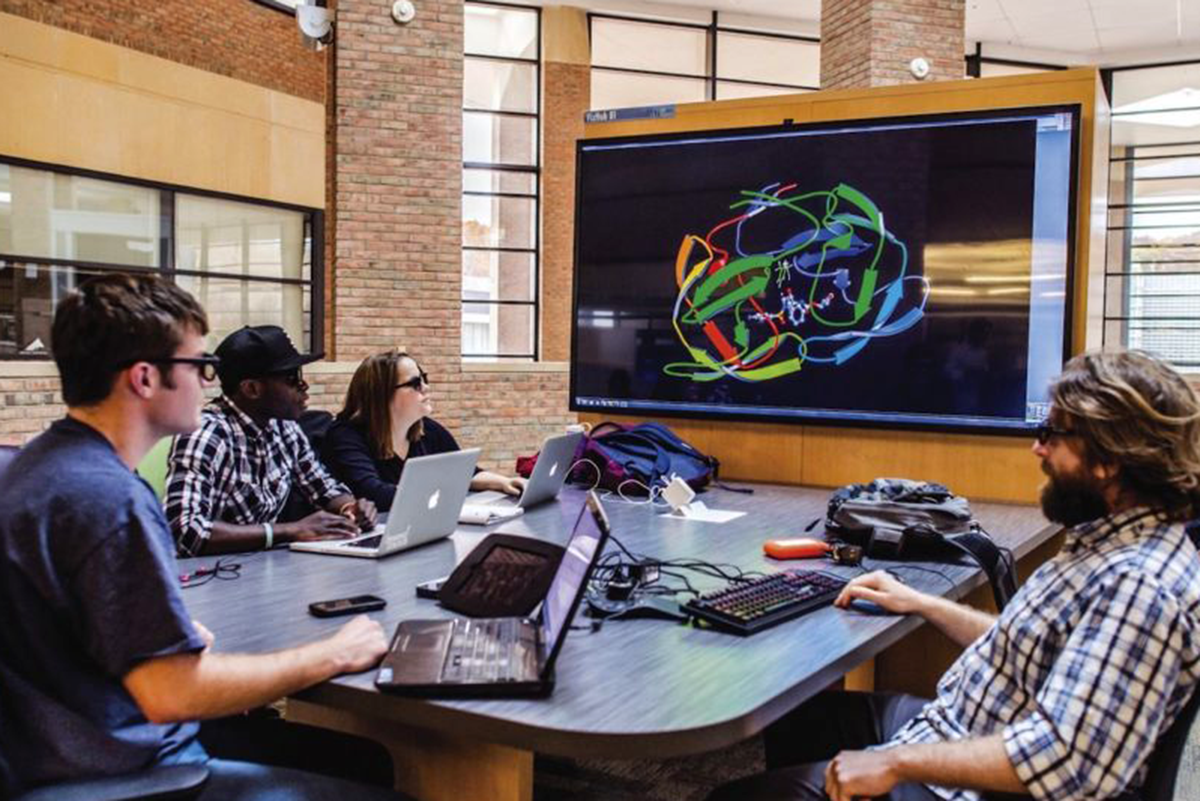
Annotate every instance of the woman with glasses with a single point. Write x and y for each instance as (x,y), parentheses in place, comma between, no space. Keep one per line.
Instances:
(385,421)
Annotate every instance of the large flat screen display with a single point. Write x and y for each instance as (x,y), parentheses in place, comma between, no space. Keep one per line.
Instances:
(907,272)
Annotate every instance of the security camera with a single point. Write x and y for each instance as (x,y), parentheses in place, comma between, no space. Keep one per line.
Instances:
(316,23)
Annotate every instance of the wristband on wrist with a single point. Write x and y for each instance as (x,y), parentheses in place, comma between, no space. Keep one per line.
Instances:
(269,533)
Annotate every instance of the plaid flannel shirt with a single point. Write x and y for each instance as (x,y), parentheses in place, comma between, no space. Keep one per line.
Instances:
(1086,667)
(232,470)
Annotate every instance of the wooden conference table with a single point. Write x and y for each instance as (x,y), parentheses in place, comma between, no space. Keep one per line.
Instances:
(634,689)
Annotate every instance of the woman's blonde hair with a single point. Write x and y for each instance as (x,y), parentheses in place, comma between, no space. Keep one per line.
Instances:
(369,399)
(1134,411)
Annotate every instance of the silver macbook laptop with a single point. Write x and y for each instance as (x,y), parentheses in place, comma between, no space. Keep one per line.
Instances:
(546,481)
(425,508)
(506,656)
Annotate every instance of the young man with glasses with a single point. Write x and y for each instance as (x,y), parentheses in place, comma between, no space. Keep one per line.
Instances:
(228,481)
(102,671)
(1066,693)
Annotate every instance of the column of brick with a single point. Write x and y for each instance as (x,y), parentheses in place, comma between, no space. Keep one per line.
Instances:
(397,188)
(566,93)
(871,42)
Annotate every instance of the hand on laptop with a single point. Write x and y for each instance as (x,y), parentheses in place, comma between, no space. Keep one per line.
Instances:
(318,526)
(365,513)
(358,645)
(494,481)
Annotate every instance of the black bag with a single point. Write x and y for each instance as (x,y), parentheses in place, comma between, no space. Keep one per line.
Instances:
(896,518)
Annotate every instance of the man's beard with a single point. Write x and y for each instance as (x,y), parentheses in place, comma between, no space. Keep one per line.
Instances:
(1071,500)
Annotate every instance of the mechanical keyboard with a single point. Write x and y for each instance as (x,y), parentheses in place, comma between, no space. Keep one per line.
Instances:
(747,607)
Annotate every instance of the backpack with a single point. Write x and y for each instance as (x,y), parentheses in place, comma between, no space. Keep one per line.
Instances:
(896,518)
(648,453)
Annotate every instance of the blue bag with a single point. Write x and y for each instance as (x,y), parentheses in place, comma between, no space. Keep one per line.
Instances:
(648,453)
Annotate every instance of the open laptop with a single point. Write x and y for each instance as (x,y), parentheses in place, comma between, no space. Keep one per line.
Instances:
(425,508)
(549,475)
(508,656)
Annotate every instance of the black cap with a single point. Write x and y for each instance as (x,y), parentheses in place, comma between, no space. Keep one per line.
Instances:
(257,351)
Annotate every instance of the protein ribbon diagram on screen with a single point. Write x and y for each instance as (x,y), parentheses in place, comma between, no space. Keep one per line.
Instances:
(793,278)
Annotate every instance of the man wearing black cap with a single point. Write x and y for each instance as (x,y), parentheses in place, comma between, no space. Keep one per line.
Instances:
(228,481)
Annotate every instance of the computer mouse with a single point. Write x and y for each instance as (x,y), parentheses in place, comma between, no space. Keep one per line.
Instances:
(865,607)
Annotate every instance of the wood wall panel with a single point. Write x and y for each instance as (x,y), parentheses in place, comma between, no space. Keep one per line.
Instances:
(982,467)
(78,102)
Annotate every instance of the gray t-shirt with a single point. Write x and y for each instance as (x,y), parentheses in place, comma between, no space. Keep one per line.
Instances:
(89,589)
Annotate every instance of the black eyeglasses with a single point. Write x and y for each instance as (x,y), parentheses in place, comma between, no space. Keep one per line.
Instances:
(1046,431)
(205,365)
(415,382)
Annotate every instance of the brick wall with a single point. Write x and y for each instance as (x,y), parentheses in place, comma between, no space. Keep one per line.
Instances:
(238,38)
(871,42)
(397,188)
(29,401)
(393,214)
(566,96)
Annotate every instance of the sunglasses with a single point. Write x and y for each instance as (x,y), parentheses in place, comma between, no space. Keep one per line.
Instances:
(1046,432)
(416,382)
(205,365)
(292,378)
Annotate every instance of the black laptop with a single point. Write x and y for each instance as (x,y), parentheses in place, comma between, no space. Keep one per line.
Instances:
(498,657)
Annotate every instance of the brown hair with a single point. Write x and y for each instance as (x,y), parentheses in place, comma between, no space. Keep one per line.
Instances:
(113,321)
(1136,412)
(369,398)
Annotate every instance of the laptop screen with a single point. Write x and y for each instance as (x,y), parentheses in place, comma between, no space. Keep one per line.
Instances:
(572,572)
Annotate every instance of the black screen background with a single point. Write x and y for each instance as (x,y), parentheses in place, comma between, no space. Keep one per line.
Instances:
(955,184)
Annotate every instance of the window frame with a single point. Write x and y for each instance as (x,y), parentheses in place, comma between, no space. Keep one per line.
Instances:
(1121,268)
(314,221)
(713,30)
(534,170)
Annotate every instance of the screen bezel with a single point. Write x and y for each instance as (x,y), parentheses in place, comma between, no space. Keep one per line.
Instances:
(942,426)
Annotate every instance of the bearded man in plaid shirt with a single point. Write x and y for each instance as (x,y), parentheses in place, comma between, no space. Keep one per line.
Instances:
(1067,692)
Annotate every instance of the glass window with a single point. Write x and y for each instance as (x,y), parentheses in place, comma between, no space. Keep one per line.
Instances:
(988,69)
(626,89)
(232,303)
(748,57)
(223,236)
(499,85)
(500,31)
(660,47)
(499,222)
(729,90)
(53,215)
(247,263)
(642,63)
(497,275)
(509,182)
(29,291)
(500,181)
(499,139)
(1152,281)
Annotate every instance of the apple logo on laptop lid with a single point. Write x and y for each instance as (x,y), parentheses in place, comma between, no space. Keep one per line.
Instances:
(434,498)
(553,469)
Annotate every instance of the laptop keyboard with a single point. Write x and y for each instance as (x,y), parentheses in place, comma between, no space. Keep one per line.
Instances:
(370,543)
(483,651)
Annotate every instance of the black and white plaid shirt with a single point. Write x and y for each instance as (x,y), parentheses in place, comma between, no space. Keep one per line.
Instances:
(232,470)
(1086,667)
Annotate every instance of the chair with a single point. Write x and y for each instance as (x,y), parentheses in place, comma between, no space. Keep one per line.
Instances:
(162,783)
(153,467)
(1164,781)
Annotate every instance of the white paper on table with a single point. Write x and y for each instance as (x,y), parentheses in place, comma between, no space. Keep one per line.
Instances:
(696,510)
